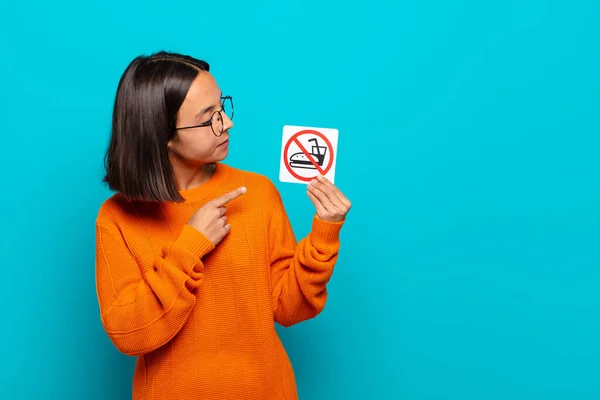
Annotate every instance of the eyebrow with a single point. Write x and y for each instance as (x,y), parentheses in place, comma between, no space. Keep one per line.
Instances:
(204,110)
(207,108)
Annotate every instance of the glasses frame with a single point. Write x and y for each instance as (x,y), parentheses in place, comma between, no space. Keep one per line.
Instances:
(209,122)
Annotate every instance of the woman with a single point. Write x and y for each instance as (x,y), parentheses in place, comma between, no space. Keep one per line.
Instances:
(196,260)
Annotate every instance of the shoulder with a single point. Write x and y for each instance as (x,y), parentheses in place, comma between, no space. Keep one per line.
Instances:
(115,211)
(253,181)
(262,190)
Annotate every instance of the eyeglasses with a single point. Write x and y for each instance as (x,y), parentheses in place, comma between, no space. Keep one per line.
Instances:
(216,119)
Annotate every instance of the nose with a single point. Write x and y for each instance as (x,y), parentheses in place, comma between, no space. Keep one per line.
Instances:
(227,122)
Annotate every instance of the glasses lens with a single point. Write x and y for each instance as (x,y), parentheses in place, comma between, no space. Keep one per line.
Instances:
(217,123)
(228,107)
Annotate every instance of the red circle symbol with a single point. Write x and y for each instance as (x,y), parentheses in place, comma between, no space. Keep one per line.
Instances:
(293,139)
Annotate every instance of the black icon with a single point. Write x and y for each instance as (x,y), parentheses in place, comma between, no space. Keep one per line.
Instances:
(299,160)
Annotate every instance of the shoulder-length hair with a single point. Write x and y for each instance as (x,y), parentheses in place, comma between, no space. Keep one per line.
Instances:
(148,98)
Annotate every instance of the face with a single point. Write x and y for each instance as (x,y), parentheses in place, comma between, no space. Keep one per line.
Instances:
(198,146)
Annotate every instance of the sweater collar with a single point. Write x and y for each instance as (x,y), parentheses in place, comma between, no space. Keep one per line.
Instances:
(208,188)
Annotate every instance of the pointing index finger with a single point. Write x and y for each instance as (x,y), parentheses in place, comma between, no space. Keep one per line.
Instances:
(226,198)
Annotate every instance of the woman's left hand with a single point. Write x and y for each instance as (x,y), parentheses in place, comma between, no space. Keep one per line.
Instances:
(331,204)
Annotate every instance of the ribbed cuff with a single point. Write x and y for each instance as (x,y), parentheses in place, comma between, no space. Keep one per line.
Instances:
(325,232)
(193,241)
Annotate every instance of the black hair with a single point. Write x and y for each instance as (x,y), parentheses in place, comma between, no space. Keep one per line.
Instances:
(148,98)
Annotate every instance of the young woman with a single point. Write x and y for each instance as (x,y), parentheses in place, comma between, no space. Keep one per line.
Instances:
(196,260)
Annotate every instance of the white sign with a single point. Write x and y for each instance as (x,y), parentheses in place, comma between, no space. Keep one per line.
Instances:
(306,153)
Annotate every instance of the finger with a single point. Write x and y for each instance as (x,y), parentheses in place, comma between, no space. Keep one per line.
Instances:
(320,209)
(226,198)
(329,192)
(337,191)
(222,210)
(224,219)
(323,198)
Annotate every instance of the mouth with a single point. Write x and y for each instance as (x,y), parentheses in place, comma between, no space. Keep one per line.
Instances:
(224,144)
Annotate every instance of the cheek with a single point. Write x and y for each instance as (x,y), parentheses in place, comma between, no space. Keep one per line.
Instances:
(193,146)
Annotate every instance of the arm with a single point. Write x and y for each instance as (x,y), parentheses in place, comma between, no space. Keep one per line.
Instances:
(299,271)
(142,311)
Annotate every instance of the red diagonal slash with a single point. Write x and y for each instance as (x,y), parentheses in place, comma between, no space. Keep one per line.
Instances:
(309,156)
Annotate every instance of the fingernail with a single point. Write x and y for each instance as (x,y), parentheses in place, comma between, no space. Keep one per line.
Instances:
(320,177)
(243,190)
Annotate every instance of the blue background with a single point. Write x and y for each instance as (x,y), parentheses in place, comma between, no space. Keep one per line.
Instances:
(469,146)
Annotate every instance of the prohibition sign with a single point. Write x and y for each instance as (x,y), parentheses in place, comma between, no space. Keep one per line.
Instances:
(294,139)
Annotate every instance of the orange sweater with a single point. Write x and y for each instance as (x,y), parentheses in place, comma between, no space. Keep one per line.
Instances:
(201,318)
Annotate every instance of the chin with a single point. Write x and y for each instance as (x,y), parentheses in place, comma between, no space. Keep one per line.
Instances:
(218,155)
(223,152)
(222,156)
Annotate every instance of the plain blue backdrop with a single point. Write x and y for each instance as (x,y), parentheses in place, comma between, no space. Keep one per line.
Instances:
(469,146)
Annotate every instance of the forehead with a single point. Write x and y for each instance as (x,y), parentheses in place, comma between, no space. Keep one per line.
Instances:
(203,92)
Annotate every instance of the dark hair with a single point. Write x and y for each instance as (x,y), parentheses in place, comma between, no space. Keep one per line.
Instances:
(147,101)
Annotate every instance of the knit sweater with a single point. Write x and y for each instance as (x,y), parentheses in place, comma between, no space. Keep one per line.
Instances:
(201,318)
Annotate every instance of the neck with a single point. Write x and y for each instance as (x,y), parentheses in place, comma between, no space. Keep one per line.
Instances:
(189,177)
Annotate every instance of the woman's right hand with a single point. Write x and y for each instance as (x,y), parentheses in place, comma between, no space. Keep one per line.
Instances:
(210,219)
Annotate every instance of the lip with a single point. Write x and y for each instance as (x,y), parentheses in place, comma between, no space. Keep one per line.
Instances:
(225,143)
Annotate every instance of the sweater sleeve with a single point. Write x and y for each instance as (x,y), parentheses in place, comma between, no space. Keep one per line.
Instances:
(300,270)
(143,310)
